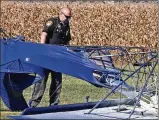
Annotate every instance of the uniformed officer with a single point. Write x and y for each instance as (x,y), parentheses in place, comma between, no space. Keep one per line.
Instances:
(56,31)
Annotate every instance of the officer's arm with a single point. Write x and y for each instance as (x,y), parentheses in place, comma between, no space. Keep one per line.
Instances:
(68,39)
(68,43)
(46,30)
(43,37)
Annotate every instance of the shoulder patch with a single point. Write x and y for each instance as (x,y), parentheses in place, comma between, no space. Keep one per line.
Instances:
(49,23)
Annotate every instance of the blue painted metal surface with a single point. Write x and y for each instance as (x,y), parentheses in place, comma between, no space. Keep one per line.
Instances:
(22,64)
(78,106)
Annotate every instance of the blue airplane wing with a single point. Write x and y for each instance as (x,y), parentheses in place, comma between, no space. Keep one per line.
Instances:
(22,64)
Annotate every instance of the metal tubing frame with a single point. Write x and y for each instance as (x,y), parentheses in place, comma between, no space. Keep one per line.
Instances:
(113,90)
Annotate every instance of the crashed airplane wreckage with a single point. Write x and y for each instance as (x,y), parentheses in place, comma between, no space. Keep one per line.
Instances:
(131,71)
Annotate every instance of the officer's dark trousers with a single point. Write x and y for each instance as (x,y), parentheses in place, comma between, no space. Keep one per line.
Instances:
(55,88)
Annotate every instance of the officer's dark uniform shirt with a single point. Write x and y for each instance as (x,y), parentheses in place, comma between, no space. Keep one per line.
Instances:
(57,33)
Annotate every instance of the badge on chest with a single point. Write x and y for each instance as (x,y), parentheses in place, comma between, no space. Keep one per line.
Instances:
(62,29)
(59,28)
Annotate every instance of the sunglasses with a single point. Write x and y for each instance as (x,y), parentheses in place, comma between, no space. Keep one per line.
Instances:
(67,17)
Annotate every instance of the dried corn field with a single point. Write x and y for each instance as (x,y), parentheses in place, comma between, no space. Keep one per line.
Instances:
(92,23)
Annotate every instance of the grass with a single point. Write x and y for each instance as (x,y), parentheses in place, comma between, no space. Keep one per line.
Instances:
(73,91)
